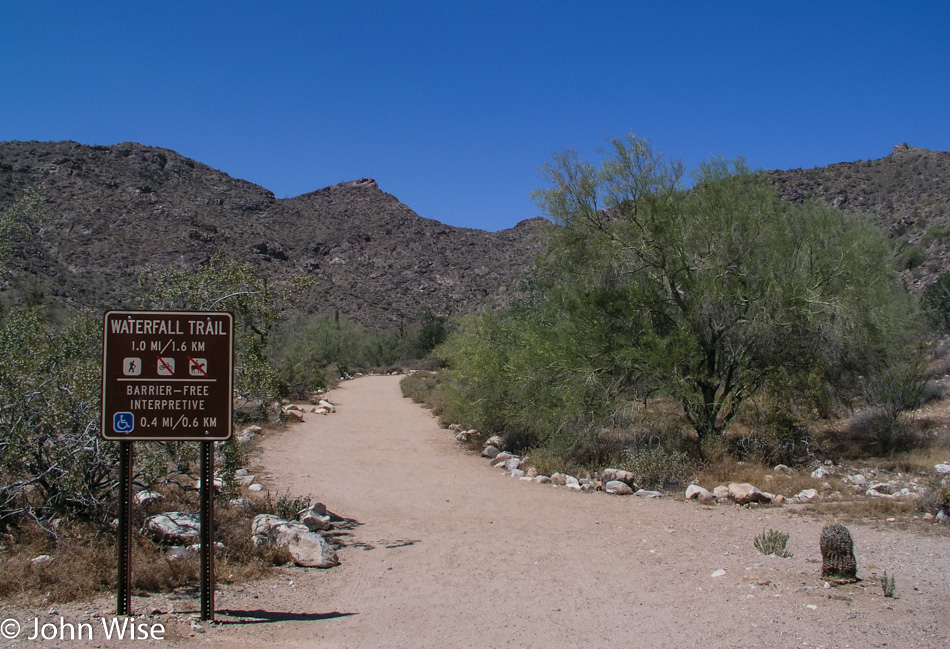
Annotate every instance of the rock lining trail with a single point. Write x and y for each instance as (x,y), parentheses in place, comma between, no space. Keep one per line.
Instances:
(442,551)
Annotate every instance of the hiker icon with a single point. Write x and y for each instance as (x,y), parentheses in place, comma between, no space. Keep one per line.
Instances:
(132,366)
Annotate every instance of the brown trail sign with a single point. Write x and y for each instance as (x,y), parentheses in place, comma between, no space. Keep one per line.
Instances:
(167,376)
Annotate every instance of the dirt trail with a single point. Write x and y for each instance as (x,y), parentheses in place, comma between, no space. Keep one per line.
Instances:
(443,551)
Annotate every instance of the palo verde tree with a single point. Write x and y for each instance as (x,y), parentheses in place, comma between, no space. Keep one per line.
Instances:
(702,292)
(221,284)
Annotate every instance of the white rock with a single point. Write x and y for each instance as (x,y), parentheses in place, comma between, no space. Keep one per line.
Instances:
(617,488)
(490,451)
(643,493)
(174,527)
(256,487)
(858,480)
(41,560)
(517,473)
(744,493)
(718,573)
(308,549)
(721,491)
(315,517)
(942,468)
(571,481)
(148,497)
(820,472)
(495,440)
(558,479)
(542,479)
(512,463)
(504,456)
(695,492)
(805,495)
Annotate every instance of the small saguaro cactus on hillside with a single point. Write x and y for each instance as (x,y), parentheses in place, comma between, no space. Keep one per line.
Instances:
(837,554)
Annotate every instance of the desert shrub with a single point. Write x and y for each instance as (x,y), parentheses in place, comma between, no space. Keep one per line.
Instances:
(935,301)
(656,467)
(881,433)
(778,438)
(936,497)
(51,459)
(889,585)
(772,542)
(287,506)
(932,391)
(424,387)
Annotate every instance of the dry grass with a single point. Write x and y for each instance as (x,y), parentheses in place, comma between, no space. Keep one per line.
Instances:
(84,556)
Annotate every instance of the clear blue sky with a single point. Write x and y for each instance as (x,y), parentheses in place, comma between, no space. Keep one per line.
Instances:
(453,106)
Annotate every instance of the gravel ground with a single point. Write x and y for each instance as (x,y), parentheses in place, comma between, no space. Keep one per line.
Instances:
(440,550)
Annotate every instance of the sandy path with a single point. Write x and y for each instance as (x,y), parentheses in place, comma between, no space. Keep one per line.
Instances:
(443,551)
(448,552)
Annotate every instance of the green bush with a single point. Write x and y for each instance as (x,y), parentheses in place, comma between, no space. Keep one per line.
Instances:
(772,542)
(656,467)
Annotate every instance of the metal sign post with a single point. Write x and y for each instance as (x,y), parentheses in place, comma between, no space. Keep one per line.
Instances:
(167,376)
(206,531)
(123,605)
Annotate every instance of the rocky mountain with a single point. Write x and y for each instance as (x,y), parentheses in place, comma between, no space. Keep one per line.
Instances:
(110,212)
(907,194)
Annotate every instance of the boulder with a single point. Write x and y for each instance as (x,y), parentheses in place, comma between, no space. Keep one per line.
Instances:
(504,456)
(177,528)
(610,475)
(820,472)
(309,550)
(942,468)
(617,488)
(644,493)
(721,492)
(695,492)
(542,479)
(744,493)
(496,441)
(805,495)
(315,517)
(558,479)
(490,451)
(512,463)
(148,498)
(882,489)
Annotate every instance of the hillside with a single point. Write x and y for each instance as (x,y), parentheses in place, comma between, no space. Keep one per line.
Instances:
(907,194)
(113,211)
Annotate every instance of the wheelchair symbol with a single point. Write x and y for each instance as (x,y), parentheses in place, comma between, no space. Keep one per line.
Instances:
(123,422)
